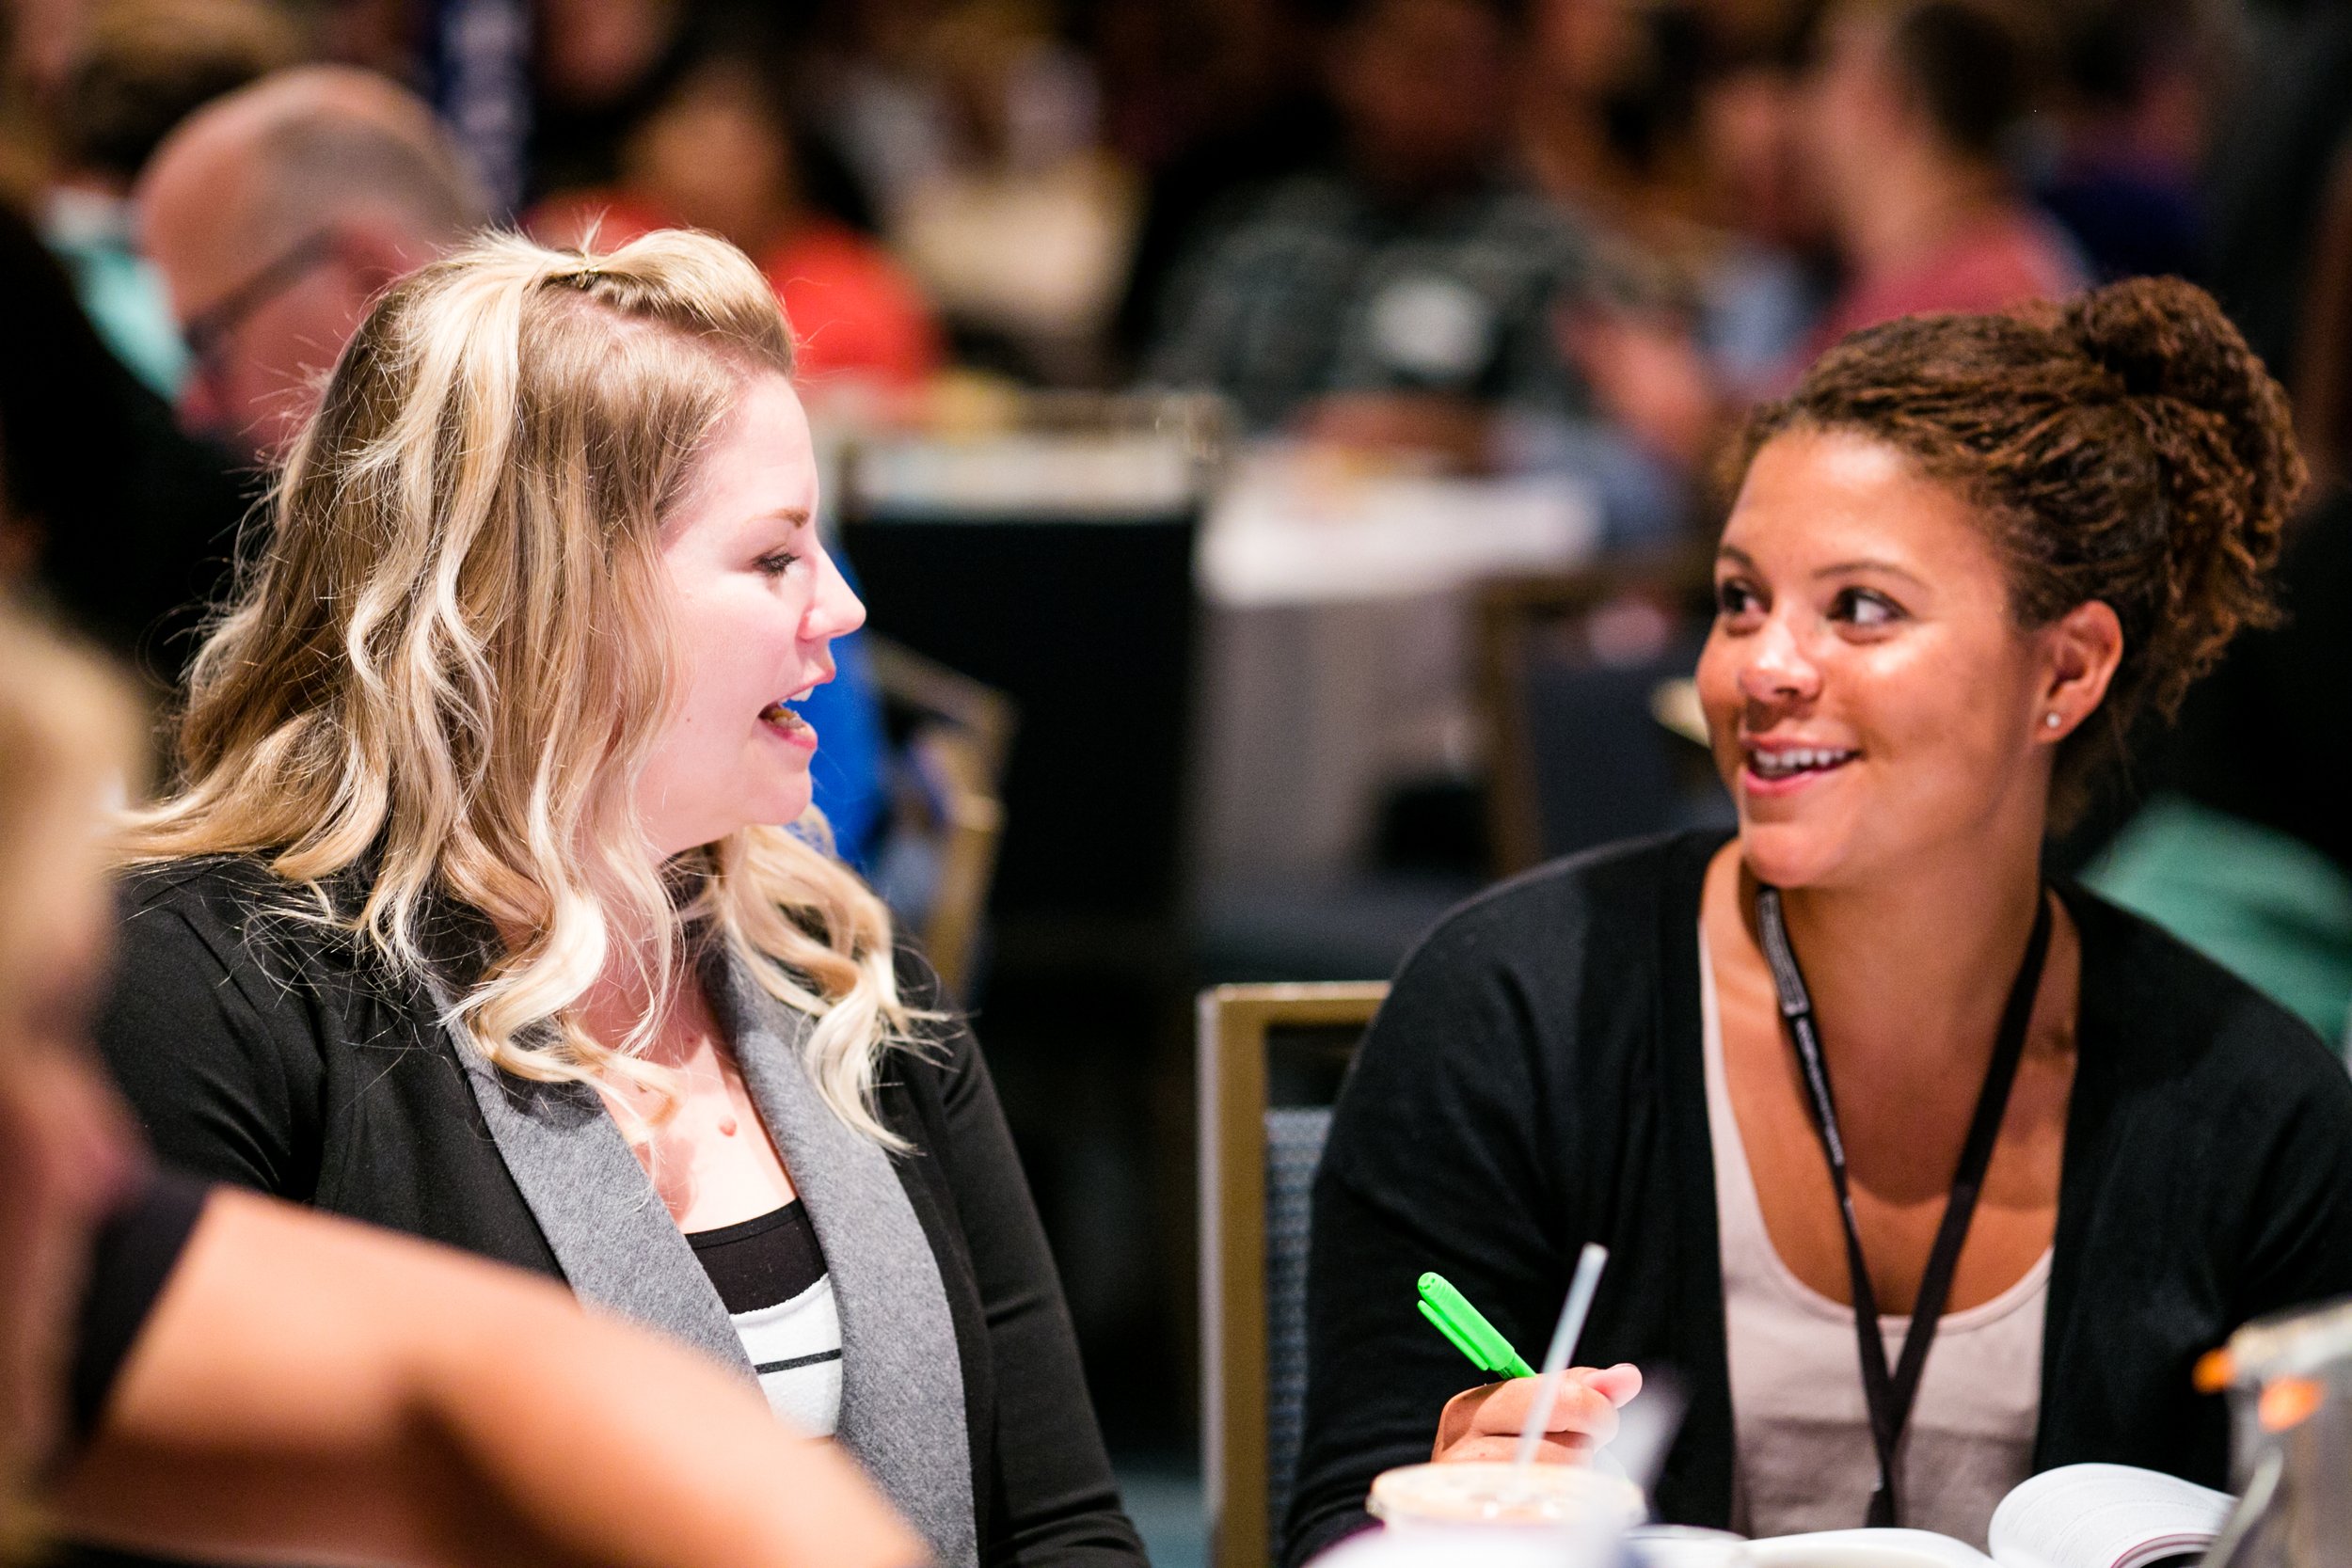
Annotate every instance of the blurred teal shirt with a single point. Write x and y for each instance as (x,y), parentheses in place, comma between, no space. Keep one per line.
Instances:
(119,289)
(2265,906)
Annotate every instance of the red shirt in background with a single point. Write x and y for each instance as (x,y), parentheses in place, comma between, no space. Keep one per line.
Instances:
(2019,255)
(855,310)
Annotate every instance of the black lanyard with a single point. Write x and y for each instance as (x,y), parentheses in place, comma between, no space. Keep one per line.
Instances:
(1890,1398)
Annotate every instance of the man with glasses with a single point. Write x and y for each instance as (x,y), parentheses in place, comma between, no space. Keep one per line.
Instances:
(275,215)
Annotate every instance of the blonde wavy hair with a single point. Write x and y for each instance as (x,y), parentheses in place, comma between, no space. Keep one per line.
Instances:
(447,675)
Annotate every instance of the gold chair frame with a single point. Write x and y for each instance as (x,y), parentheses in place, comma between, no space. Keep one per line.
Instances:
(1235,1023)
(967,736)
(1507,617)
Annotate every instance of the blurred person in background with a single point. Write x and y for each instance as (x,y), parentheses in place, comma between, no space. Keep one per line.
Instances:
(719,152)
(471,914)
(277,214)
(1607,114)
(1915,104)
(140,68)
(598,68)
(196,1370)
(1771,270)
(1910,110)
(975,129)
(1405,295)
(2138,88)
(1211,101)
(1750,123)
(1680,127)
(117,519)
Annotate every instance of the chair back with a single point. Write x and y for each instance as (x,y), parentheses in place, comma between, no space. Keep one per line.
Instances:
(953,733)
(1271,1061)
(1570,674)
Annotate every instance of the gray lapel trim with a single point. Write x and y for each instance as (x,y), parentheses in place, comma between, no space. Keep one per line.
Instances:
(902,1381)
(606,1225)
(903,1412)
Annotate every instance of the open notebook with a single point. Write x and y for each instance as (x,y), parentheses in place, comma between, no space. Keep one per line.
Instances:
(2076,1517)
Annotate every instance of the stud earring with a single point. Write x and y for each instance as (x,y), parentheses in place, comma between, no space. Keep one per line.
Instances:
(2051,720)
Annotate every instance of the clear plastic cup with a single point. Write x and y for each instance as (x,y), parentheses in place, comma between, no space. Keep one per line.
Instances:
(1553,1500)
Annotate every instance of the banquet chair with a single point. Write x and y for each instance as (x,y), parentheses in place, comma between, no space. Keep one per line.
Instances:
(1271,1061)
(952,734)
(1575,675)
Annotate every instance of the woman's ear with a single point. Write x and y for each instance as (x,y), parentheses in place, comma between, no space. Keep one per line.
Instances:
(2082,649)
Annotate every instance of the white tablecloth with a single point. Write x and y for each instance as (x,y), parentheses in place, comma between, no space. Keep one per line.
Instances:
(1335,659)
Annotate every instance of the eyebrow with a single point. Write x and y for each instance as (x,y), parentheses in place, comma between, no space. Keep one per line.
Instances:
(796,515)
(1869,563)
(1836,568)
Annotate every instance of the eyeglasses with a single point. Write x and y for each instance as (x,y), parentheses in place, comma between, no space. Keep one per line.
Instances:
(208,329)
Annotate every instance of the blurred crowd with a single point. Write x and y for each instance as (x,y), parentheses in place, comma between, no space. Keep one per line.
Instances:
(1498,234)
(1492,235)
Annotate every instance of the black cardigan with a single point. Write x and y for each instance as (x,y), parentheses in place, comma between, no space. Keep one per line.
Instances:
(1534,1081)
(272,1054)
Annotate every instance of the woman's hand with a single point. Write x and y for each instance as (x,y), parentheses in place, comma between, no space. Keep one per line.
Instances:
(1483,1423)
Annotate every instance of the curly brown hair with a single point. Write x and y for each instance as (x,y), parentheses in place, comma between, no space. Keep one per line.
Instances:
(2126,447)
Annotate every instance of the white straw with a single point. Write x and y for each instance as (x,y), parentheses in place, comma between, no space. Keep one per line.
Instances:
(1572,1311)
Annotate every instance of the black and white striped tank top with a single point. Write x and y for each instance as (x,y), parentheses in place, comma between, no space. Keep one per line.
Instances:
(771,1276)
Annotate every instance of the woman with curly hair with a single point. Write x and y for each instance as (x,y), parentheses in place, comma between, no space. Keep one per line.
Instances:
(1860,1080)
(490,906)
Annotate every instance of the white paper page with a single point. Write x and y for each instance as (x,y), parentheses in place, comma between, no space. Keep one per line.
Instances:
(2103,1516)
(1865,1548)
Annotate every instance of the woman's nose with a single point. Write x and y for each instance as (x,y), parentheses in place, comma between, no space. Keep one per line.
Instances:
(835,610)
(1777,668)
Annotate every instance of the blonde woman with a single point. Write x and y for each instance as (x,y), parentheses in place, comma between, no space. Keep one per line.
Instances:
(236,1378)
(475,913)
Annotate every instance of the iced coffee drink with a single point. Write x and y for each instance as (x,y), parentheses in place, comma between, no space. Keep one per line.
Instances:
(1570,1498)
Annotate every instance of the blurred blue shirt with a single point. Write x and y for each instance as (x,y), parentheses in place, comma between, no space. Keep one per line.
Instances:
(850,769)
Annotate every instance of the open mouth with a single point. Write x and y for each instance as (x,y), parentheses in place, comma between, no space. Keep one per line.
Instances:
(1778,763)
(780,716)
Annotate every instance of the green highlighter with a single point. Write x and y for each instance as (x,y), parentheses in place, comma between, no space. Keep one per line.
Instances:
(1469,1330)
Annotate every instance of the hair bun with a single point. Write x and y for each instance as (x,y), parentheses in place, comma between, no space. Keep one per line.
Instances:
(2223,439)
(2167,340)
